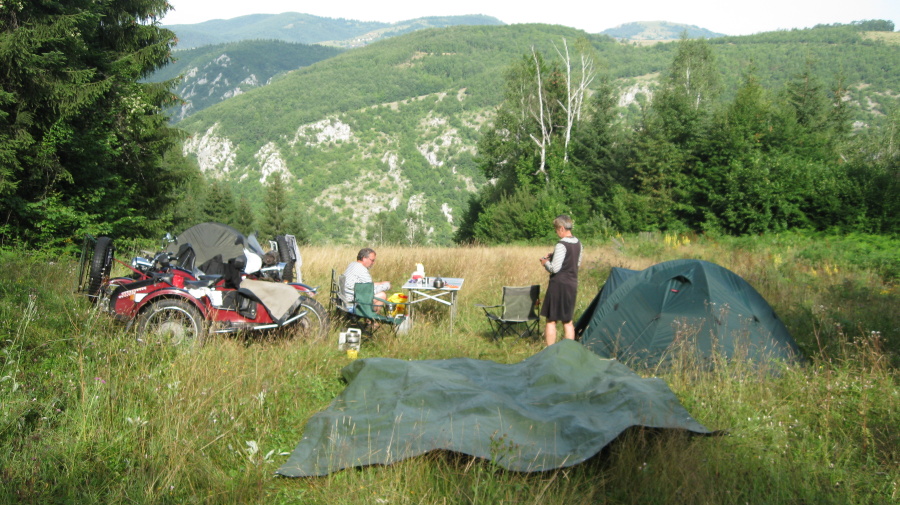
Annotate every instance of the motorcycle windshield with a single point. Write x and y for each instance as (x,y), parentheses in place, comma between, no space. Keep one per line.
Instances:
(253,244)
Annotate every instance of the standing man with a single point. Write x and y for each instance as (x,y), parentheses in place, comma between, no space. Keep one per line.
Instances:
(562,263)
(358,272)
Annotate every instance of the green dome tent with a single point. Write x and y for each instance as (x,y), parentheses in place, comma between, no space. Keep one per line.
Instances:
(678,304)
(617,277)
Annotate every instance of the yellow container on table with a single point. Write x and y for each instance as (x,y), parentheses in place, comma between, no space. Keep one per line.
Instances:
(399,300)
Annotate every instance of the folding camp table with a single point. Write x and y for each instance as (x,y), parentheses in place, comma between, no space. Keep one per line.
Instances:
(423,290)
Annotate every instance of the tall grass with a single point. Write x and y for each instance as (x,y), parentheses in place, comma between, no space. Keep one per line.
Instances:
(90,416)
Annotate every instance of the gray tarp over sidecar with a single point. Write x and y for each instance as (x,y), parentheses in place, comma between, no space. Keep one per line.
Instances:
(555,409)
(208,240)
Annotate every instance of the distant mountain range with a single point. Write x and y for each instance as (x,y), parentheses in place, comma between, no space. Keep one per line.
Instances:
(658,31)
(346,33)
(309,29)
(223,58)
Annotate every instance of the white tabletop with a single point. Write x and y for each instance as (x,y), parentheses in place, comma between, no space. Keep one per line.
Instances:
(450,284)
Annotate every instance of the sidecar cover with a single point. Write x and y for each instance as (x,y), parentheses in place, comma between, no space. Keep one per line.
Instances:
(552,410)
(209,240)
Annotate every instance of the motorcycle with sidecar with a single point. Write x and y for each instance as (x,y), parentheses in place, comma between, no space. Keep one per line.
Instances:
(210,279)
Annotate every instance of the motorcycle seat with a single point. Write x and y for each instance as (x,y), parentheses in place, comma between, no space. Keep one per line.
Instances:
(205,281)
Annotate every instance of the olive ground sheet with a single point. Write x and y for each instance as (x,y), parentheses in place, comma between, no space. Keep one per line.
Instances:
(552,410)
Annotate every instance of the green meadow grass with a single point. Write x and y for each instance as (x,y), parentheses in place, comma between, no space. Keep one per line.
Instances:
(90,416)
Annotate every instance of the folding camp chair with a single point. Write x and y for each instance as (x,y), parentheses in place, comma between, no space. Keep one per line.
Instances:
(366,309)
(363,311)
(336,296)
(518,315)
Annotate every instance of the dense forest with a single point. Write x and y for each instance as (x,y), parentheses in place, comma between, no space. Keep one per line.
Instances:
(734,135)
(760,159)
(84,147)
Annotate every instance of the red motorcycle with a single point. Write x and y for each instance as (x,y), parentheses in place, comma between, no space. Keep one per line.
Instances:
(211,279)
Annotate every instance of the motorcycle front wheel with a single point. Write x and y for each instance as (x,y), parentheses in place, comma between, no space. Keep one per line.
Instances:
(315,324)
(171,321)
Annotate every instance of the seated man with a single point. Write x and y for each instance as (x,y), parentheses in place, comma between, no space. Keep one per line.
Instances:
(358,272)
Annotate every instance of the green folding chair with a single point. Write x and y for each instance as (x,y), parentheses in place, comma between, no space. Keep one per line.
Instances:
(517,315)
(366,309)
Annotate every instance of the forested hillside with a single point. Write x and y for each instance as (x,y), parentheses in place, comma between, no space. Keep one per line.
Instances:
(382,142)
(219,59)
(389,128)
(207,75)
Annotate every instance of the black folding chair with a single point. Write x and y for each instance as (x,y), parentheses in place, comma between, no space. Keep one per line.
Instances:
(336,296)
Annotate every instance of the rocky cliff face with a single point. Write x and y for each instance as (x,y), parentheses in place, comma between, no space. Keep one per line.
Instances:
(356,172)
(217,80)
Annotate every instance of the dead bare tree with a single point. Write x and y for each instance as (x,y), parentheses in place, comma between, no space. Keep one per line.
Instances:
(575,91)
(542,117)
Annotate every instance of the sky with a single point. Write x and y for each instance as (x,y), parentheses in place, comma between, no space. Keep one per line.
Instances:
(593,16)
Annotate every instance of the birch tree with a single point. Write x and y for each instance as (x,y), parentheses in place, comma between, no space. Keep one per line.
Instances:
(578,81)
(542,105)
(526,151)
(542,116)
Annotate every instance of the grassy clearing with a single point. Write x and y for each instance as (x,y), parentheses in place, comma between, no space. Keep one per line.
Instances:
(887,37)
(90,416)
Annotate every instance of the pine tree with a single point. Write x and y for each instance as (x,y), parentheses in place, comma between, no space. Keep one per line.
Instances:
(597,152)
(667,146)
(82,135)
(275,207)
(219,204)
(281,214)
(244,220)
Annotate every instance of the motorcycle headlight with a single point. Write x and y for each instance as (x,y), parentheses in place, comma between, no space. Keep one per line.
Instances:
(142,264)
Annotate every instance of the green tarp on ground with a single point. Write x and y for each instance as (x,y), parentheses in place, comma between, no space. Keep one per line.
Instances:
(555,409)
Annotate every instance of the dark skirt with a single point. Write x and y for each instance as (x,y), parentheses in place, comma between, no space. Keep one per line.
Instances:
(559,303)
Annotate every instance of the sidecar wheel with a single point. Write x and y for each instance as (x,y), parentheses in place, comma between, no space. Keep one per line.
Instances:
(171,321)
(314,326)
(101,265)
(284,256)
